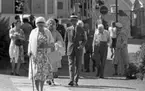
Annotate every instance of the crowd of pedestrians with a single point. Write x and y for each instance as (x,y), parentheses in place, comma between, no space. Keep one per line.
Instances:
(44,42)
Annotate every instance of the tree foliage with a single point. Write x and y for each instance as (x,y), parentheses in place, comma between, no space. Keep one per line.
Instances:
(4,37)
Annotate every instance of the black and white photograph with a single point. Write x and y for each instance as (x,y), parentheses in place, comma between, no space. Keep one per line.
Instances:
(72,45)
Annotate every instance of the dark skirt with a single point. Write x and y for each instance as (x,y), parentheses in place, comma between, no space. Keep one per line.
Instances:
(113,45)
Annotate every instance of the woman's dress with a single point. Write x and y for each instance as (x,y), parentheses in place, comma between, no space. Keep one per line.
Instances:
(41,63)
(59,50)
(16,52)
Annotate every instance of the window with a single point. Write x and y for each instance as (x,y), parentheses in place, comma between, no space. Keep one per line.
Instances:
(85,8)
(60,5)
(19,6)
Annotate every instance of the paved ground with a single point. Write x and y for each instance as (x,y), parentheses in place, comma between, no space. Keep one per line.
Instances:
(88,81)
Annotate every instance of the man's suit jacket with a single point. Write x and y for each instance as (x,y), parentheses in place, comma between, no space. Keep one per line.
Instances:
(74,40)
(89,42)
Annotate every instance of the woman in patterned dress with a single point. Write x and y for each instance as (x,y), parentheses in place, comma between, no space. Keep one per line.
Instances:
(121,52)
(40,45)
(16,52)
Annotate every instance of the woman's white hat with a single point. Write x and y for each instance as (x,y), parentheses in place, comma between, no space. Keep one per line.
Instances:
(40,19)
(73,16)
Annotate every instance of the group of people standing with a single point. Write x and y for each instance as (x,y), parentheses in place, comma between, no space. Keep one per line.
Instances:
(117,40)
(45,42)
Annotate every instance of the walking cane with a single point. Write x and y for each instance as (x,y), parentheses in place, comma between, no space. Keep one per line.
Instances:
(32,72)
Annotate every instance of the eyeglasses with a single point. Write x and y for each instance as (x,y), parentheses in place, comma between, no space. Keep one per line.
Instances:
(40,22)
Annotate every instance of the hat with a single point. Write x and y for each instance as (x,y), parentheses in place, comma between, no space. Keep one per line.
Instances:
(100,26)
(73,16)
(119,25)
(40,20)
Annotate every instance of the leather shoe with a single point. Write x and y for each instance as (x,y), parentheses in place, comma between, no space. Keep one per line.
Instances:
(102,77)
(71,83)
(87,70)
(76,84)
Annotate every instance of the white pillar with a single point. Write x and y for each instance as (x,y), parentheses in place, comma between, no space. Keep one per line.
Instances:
(32,7)
(55,8)
(0,6)
(93,14)
(45,8)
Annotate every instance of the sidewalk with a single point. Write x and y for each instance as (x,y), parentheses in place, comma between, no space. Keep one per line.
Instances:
(15,83)
(88,81)
(6,84)
(24,84)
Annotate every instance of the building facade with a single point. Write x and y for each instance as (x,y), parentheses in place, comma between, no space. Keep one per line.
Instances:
(84,9)
(46,8)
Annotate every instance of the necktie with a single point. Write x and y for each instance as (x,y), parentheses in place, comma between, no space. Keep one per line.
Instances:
(74,33)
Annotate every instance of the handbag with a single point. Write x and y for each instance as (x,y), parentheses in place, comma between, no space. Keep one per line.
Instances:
(19,42)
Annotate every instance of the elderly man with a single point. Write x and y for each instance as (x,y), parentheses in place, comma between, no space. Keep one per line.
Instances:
(75,38)
(100,47)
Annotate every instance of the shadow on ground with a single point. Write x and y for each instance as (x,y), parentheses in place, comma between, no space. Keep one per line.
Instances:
(136,41)
(104,87)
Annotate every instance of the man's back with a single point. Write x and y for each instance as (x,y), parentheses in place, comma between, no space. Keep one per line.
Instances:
(61,30)
(27,28)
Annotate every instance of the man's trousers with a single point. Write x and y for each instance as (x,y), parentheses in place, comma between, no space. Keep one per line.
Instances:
(100,52)
(75,61)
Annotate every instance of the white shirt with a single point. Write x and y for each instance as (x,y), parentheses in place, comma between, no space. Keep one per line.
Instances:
(102,36)
(112,32)
(105,37)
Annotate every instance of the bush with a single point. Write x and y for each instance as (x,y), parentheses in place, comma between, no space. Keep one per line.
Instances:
(138,67)
(4,40)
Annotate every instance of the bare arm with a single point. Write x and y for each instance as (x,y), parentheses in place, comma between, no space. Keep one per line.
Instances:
(93,44)
(11,34)
(109,39)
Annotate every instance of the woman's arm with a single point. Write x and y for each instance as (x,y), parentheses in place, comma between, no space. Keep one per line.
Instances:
(109,39)
(11,34)
(59,39)
(123,40)
(29,44)
(50,40)
(93,44)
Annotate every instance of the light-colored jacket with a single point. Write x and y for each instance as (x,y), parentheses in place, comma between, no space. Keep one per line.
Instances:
(32,47)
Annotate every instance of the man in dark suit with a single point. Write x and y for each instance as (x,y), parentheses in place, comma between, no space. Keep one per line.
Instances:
(75,38)
(88,48)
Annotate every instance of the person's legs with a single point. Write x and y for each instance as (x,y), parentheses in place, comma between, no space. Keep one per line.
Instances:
(71,69)
(13,66)
(79,55)
(18,68)
(125,70)
(103,55)
(41,85)
(113,46)
(116,69)
(97,59)
(87,61)
(112,53)
(94,65)
(37,82)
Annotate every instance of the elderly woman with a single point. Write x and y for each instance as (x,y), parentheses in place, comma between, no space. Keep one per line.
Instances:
(16,48)
(58,40)
(121,52)
(40,45)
